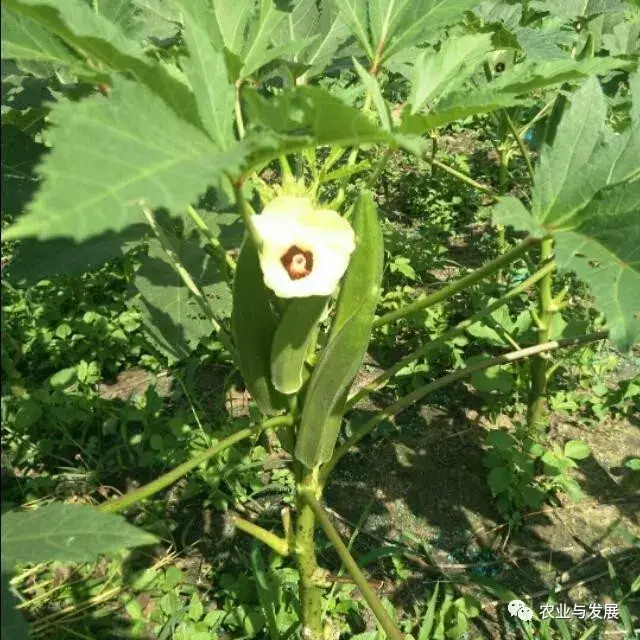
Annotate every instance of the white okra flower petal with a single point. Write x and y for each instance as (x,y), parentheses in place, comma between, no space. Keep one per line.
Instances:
(305,251)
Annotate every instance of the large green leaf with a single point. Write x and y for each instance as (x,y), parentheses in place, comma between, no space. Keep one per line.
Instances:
(423,19)
(569,9)
(258,50)
(313,113)
(108,48)
(109,158)
(232,19)
(458,106)
(325,25)
(66,532)
(355,15)
(587,195)
(507,90)
(436,74)
(206,69)
(171,317)
(384,28)
(24,39)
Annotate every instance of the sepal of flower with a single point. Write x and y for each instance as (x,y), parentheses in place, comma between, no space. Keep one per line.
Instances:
(305,250)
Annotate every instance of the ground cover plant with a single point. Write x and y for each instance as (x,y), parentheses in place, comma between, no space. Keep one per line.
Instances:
(320,319)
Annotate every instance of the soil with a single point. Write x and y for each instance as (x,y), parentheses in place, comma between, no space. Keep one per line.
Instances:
(425,486)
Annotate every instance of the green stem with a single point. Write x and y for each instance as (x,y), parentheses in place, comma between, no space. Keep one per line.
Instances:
(503,176)
(344,172)
(352,567)
(278,544)
(310,590)
(246,213)
(538,116)
(213,241)
(238,112)
(285,169)
(520,143)
(538,390)
(406,401)
(460,328)
(459,285)
(184,274)
(166,480)
(462,176)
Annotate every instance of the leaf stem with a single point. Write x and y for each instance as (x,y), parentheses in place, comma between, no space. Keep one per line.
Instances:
(459,285)
(164,481)
(352,567)
(520,143)
(246,213)
(278,544)
(460,328)
(184,274)
(238,111)
(213,241)
(462,176)
(455,376)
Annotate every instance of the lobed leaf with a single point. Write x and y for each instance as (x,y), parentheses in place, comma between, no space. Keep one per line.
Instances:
(171,317)
(24,39)
(207,71)
(587,195)
(107,48)
(437,74)
(109,156)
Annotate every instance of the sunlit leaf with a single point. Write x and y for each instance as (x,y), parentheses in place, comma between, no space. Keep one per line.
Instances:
(587,195)
(108,48)
(24,39)
(436,74)
(109,156)
(206,69)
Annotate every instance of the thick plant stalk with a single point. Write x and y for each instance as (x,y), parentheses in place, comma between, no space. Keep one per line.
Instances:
(459,285)
(538,390)
(419,393)
(309,583)
(352,567)
(166,480)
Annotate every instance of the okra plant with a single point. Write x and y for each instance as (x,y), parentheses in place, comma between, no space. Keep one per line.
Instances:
(155,110)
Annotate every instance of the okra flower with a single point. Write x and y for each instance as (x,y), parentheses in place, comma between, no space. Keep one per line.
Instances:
(305,251)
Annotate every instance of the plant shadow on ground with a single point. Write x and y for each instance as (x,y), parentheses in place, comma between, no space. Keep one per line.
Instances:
(425,482)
